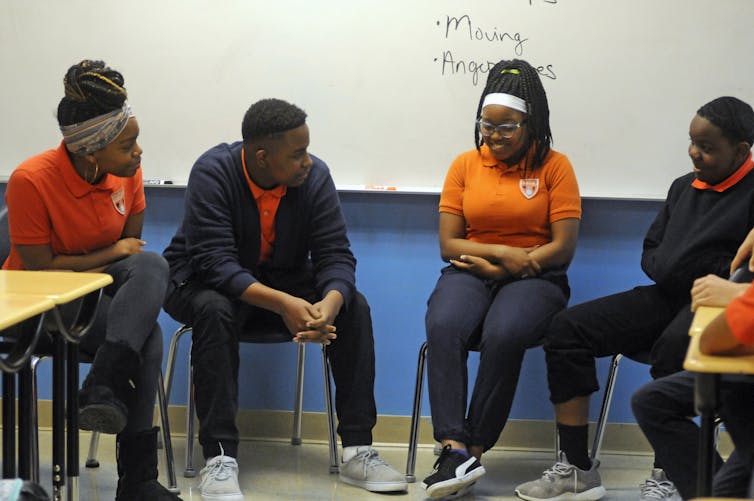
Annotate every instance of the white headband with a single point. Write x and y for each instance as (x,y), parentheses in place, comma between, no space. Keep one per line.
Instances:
(505,100)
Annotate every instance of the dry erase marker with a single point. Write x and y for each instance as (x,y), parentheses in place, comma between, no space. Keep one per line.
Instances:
(157,181)
(376,187)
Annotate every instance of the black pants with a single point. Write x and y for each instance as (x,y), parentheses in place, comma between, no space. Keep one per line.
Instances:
(662,409)
(217,322)
(641,319)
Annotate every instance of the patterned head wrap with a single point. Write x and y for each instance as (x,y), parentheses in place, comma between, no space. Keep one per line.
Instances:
(94,134)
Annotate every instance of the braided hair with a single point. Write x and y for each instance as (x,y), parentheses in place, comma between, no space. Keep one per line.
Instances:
(91,89)
(732,116)
(522,82)
(271,117)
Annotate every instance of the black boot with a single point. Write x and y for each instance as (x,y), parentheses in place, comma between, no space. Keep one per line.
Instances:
(137,469)
(108,390)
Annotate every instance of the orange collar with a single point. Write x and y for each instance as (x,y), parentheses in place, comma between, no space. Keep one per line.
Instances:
(256,191)
(729,181)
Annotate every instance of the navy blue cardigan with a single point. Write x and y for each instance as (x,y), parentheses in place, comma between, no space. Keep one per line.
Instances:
(218,241)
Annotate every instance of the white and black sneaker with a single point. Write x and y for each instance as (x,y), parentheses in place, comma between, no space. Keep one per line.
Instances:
(453,472)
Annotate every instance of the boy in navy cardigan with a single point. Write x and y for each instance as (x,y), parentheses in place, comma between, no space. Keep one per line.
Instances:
(263,240)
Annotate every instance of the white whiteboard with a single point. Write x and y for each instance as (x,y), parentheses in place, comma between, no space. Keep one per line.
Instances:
(383,107)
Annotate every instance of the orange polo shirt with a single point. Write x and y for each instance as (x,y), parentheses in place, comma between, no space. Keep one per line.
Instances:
(49,203)
(268,202)
(740,316)
(501,206)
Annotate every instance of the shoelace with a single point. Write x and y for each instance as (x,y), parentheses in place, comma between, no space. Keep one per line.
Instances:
(559,470)
(372,459)
(218,469)
(657,490)
(443,453)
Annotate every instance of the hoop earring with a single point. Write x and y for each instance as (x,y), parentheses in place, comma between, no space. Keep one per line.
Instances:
(96,171)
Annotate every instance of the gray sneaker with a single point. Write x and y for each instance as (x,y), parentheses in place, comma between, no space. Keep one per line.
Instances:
(659,488)
(219,479)
(368,471)
(564,482)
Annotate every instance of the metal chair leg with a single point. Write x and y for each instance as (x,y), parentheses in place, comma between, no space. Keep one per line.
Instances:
(190,472)
(34,421)
(91,457)
(413,440)
(330,413)
(167,442)
(172,353)
(298,404)
(606,401)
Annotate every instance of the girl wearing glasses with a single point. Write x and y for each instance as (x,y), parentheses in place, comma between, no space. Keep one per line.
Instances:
(509,220)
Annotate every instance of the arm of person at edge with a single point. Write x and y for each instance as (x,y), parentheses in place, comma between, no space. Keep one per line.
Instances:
(711,290)
(718,339)
(41,257)
(744,251)
(497,262)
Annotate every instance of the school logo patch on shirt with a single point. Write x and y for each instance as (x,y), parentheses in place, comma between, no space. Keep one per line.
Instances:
(119,201)
(529,187)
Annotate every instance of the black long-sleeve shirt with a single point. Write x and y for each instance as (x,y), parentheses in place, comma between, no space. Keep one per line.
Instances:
(697,232)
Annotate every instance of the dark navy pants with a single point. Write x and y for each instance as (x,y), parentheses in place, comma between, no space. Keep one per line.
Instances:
(504,320)
(217,322)
(662,409)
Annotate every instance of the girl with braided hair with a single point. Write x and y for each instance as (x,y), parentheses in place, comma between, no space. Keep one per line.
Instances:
(80,207)
(509,219)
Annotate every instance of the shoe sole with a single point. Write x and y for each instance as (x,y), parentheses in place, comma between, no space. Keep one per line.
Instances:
(592,494)
(445,488)
(461,492)
(102,418)
(222,497)
(376,486)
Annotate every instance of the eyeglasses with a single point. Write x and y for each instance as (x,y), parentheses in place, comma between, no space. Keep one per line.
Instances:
(505,130)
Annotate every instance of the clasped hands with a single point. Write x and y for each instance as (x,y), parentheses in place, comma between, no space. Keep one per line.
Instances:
(513,262)
(311,323)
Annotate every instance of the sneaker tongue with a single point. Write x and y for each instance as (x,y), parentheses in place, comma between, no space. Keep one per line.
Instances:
(658,474)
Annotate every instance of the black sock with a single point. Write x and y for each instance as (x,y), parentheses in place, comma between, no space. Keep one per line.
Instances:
(573,441)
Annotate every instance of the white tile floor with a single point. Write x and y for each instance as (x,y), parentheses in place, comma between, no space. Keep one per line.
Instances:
(279,471)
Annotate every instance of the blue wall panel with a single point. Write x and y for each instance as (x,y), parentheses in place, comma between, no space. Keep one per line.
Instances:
(394,237)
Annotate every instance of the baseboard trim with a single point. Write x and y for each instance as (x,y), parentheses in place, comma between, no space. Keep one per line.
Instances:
(519,434)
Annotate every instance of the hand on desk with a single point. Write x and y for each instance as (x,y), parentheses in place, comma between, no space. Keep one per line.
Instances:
(712,290)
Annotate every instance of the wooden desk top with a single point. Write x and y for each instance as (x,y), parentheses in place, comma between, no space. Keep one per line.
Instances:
(15,308)
(703,316)
(59,286)
(714,364)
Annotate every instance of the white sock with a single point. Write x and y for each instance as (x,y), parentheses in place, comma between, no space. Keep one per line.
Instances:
(351,451)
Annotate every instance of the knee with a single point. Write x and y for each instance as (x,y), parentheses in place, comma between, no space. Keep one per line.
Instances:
(151,268)
(643,402)
(151,263)
(360,306)
(561,334)
(214,315)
